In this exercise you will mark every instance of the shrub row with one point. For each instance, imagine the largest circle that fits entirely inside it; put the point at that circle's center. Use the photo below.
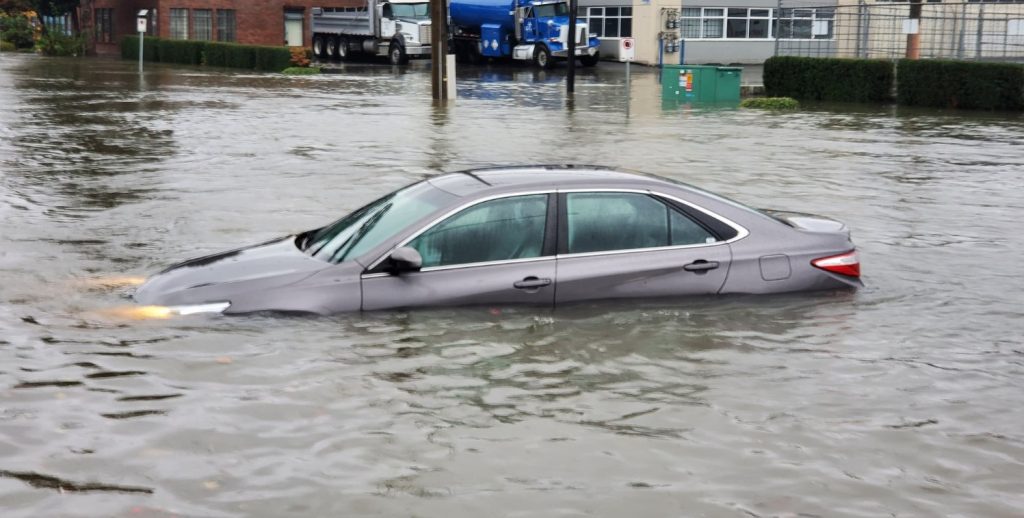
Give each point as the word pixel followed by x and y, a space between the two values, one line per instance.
pixel 960 84
pixel 828 79
pixel 215 54
pixel 923 82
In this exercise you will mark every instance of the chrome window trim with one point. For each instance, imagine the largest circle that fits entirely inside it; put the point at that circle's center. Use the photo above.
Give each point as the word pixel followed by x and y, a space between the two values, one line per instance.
pixel 470 265
pixel 452 212
pixel 741 232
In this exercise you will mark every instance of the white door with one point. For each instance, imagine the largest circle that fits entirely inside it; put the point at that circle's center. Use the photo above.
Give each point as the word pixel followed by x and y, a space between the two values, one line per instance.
pixel 293 29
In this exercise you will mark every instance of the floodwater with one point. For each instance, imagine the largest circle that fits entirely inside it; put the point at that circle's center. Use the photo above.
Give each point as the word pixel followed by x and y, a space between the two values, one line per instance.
pixel 905 398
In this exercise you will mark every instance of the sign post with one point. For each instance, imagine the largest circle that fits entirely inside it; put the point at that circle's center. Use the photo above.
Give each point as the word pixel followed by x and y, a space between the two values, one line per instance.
pixel 140 25
pixel 627 53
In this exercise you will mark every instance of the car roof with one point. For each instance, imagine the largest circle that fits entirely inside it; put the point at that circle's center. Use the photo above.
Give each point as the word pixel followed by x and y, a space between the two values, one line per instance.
pixel 496 180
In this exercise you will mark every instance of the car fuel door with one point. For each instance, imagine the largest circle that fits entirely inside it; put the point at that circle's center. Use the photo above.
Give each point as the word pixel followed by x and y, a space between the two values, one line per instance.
pixel 493 252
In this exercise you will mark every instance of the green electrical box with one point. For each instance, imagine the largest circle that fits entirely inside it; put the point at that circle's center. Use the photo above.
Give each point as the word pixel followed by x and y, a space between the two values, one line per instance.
pixel 700 83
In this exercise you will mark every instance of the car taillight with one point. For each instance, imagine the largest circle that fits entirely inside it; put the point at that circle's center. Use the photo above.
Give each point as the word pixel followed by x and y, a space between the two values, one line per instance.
pixel 843 264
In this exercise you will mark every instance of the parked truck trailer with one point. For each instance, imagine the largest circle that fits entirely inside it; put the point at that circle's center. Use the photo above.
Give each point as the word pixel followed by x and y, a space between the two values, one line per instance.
pixel 398 29
pixel 528 30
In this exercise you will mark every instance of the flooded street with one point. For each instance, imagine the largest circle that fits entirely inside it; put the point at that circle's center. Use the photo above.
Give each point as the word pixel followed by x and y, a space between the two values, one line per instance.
pixel 905 398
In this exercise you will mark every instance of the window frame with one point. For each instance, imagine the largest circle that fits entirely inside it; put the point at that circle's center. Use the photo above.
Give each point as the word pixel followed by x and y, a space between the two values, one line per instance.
pixel 547 249
pixel 556 228
pixel 723 22
pixel 789 14
pixel 222 28
pixel 671 203
pixel 209 28
pixel 600 13
pixel 176 28
pixel 104 24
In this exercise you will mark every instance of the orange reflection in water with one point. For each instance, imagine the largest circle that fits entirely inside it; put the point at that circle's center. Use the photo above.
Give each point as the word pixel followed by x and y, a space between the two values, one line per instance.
pixel 110 282
pixel 139 312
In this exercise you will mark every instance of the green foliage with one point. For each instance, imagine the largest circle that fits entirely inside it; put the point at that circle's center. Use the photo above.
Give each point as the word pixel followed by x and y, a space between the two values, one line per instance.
pixel 961 84
pixel 829 79
pixel 17 30
pixel 6 46
pixel 53 43
pixel 770 103
pixel 301 71
pixel 210 53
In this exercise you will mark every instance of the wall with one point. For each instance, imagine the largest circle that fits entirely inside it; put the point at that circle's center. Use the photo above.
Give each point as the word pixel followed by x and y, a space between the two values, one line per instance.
pixel 258 22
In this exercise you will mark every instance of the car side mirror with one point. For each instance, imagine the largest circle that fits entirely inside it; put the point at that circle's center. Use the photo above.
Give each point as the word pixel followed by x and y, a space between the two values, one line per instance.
pixel 405 259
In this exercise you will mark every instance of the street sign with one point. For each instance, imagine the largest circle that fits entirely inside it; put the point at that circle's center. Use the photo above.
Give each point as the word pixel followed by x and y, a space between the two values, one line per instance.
pixel 140 20
pixel 627 49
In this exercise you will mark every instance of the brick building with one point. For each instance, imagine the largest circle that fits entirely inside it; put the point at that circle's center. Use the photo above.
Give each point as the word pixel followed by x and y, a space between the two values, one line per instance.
pixel 253 22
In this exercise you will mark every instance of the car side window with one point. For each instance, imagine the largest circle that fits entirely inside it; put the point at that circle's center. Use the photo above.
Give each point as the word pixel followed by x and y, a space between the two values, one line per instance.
pixel 496 230
pixel 605 221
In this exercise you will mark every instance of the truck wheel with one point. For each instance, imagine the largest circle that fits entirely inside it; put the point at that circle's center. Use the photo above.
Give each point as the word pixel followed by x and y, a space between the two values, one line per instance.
pixel 332 47
pixel 589 61
pixel 397 55
pixel 318 46
pixel 541 56
pixel 343 48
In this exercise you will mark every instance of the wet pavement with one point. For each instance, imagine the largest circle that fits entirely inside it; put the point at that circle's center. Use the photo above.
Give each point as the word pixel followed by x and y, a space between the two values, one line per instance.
pixel 905 398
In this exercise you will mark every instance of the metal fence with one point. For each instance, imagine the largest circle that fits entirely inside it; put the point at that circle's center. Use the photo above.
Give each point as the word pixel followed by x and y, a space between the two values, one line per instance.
pixel 968 31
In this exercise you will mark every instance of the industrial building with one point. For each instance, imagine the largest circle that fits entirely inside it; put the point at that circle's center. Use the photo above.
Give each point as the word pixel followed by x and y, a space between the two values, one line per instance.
pixel 253 22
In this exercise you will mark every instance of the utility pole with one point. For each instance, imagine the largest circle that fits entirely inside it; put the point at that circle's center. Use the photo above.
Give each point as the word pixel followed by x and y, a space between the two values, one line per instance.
pixel 439 49
pixel 570 84
pixel 913 30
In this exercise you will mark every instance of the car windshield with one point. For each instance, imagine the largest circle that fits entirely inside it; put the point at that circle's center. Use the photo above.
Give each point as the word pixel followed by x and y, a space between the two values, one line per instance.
pixel 373 224
pixel 549 10
pixel 414 11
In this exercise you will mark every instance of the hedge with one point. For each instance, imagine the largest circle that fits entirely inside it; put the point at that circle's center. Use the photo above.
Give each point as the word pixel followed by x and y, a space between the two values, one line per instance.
pixel 216 54
pixel 961 84
pixel 828 79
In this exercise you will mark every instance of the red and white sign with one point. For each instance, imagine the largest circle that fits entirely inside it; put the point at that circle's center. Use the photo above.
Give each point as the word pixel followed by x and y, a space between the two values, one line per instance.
pixel 627 49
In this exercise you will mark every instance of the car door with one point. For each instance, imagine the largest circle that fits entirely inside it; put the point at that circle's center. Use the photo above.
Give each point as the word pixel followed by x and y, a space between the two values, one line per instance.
pixel 498 251
pixel 634 244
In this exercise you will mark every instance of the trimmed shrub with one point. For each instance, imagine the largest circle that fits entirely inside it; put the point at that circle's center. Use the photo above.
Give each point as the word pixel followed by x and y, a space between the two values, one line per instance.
pixel 301 71
pixel 829 79
pixel 961 84
pixel 130 48
pixel 252 57
pixel 770 103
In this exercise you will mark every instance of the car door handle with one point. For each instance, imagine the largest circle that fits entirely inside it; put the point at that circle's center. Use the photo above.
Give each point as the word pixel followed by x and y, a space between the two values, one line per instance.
pixel 530 283
pixel 701 265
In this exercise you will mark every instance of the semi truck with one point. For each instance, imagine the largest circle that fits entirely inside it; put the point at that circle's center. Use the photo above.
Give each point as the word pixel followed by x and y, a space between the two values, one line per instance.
pixel 527 30
pixel 398 29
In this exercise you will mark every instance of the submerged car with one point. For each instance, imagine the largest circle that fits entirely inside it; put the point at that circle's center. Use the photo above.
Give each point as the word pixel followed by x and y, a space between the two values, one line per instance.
pixel 542 235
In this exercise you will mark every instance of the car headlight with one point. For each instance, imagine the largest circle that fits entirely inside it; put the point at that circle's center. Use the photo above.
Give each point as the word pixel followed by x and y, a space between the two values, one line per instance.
pixel 192 309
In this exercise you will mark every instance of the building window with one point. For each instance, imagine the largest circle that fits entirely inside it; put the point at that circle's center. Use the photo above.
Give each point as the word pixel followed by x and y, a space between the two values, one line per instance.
pixel 104 25
pixel 608 22
pixel 806 24
pixel 179 24
pixel 226 25
pixel 726 23
pixel 202 25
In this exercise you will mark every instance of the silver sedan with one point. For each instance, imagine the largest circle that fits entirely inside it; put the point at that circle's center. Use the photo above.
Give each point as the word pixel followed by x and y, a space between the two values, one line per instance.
pixel 541 235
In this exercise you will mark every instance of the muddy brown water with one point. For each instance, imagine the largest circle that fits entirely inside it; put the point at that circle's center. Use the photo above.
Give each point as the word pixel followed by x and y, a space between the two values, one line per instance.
pixel 905 398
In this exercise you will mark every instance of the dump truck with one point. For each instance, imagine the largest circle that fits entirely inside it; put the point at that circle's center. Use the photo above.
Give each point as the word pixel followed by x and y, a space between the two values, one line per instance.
pixel 398 29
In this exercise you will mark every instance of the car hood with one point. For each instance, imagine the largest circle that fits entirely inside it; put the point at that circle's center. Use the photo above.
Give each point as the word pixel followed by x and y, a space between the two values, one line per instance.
pixel 217 277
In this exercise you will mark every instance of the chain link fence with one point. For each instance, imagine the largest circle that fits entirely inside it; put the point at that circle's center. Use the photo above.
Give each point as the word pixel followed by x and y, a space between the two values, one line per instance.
pixel 965 31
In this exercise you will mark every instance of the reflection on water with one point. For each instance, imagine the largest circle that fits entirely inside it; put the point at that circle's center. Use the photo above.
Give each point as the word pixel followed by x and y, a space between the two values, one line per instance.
pixel 902 398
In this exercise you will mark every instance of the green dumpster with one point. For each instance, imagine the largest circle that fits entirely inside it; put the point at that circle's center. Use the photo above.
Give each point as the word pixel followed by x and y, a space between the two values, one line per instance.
pixel 700 83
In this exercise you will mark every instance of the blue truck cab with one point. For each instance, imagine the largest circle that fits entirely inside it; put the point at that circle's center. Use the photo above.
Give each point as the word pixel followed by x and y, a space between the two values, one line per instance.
pixel 526 30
